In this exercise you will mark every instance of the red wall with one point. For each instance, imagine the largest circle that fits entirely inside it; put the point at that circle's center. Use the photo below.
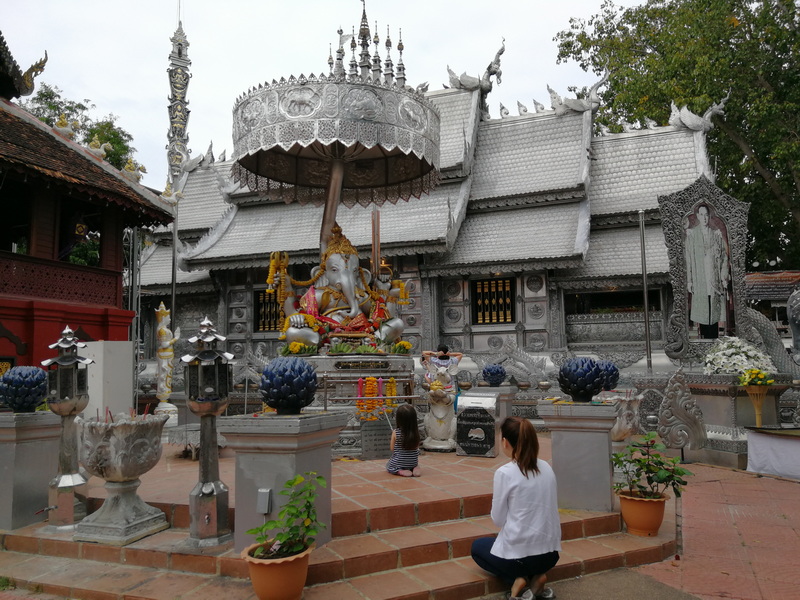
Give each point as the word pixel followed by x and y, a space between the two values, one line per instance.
pixel 39 323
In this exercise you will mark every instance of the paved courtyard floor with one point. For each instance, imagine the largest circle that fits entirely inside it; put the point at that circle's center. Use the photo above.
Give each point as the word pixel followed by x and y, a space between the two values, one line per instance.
pixel 739 532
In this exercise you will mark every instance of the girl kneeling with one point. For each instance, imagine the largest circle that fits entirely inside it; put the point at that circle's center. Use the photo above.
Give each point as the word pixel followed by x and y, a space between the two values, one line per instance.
pixel 525 508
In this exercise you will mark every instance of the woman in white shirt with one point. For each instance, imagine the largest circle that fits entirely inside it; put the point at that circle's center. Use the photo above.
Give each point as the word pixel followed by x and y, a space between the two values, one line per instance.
pixel 525 508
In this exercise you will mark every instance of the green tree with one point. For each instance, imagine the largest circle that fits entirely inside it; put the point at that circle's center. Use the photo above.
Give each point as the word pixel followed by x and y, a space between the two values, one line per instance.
pixel 48 104
pixel 694 52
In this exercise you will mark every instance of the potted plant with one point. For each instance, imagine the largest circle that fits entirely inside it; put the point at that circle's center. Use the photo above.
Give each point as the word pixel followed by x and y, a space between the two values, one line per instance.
pixel 278 560
pixel 647 474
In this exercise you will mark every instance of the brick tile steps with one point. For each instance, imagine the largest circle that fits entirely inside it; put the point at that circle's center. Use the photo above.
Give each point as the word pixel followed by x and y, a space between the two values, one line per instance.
pixel 428 561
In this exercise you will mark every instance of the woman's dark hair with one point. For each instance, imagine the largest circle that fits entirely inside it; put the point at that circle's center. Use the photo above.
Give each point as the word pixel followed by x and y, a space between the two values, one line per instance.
pixel 524 443
pixel 406 417
pixel 443 348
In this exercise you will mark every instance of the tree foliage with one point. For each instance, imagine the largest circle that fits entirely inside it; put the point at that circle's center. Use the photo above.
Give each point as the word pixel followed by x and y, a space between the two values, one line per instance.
pixel 694 52
pixel 47 104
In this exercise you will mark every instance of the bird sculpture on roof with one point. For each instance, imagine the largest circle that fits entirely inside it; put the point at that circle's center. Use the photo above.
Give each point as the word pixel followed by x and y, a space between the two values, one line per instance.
pixel 503 111
pixel 650 123
pixel 538 106
pixel 521 108
pixel 98 149
pixel 133 171
pixel 65 128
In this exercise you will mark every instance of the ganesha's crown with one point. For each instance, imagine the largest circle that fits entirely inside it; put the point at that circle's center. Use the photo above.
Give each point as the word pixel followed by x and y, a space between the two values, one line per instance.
pixel 339 244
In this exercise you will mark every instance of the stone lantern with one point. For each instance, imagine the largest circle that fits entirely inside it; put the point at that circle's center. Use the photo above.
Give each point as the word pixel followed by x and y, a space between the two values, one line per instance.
pixel 67 396
pixel 208 381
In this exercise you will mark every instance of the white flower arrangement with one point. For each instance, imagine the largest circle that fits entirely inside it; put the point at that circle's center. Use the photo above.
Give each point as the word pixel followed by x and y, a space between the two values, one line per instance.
pixel 735 356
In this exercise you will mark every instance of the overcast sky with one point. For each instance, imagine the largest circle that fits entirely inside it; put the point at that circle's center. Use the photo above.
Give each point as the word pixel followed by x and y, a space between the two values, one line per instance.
pixel 115 53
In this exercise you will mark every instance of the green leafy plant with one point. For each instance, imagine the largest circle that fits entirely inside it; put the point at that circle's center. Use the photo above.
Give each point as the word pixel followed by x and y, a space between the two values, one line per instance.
pixel 296 527
pixel 366 349
pixel 297 348
pixel 341 348
pixel 647 472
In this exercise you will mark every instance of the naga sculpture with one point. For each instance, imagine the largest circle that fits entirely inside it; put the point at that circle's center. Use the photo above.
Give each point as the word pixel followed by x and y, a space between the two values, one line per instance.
pixel 339 299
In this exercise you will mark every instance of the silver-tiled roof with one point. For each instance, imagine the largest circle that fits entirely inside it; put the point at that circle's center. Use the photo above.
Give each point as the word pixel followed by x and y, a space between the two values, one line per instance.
pixel 631 170
pixel 529 154
pixel 523 234
pixel 204 201
pixel 256 230
pixel 459 120
pixel 156 268
pixel 617 252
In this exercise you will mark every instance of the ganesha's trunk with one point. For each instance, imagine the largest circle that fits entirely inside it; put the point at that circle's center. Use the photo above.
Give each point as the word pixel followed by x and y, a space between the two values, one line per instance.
pixel 349 286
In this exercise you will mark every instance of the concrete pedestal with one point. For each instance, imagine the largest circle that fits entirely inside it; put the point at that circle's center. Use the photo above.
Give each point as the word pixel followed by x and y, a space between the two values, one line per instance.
pixel 272 449
pixel 28 461
pixel 110 378
pixel 581 447
pixel 481 411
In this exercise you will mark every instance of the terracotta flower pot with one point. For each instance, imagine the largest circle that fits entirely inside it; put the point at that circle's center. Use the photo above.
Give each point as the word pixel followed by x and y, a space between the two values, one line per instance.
pixel 642 516
pixel 278 578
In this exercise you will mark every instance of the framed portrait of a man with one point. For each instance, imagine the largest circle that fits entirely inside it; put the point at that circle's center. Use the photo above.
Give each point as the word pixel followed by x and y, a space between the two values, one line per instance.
pixel 708 273
pixel 706 234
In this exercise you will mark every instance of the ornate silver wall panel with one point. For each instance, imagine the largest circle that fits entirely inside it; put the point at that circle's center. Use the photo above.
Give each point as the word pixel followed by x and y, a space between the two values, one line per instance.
pixel 535 285
pixel 612 327
pixel 676 210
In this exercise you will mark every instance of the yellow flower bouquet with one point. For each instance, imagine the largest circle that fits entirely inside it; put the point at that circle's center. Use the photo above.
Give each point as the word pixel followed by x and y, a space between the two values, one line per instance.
pixel 755 377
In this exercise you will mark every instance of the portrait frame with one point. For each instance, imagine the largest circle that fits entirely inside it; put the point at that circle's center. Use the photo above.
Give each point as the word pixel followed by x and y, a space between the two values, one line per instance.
pixel 676 215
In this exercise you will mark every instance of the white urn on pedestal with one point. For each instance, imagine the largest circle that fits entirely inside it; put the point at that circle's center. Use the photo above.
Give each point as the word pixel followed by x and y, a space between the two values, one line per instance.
pixel 120 451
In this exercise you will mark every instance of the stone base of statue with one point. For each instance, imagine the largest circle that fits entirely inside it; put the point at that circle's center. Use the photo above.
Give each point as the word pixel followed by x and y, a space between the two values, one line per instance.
pixel 337 391
pixel 123 518
pixel 581 449
pixel 169 409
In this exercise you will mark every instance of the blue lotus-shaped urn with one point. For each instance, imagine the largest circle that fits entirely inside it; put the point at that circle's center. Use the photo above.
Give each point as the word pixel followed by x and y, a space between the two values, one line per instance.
pixel 22 389
pixel 612 374
pixel 581 379
pixel 494 375
pixel 288 384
